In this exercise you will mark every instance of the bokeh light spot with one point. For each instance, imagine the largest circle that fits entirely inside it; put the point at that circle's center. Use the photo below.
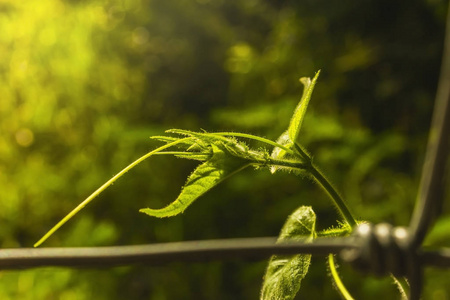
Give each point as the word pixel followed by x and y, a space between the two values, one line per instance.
pixel 24 137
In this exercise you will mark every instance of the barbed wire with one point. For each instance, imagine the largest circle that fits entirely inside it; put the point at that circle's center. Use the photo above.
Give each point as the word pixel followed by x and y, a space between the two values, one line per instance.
pixel 161 253
pixel 431 189
pixel 221 249
pixel 379 249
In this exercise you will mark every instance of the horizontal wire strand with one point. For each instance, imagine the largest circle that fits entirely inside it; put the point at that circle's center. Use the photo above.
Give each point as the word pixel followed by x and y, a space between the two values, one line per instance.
pixel 190 251
pixel 195 251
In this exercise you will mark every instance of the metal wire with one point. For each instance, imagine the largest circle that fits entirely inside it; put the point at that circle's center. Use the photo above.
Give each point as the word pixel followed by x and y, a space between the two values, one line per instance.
pixel 431 189
pixel 248 248
pixel 244 248
pixel 438 258
pixel 378 249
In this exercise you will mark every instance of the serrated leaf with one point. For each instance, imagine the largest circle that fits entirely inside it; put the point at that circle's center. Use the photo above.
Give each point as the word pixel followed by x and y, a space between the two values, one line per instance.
pixel 284 273
pixel 300 111
pixel 219 167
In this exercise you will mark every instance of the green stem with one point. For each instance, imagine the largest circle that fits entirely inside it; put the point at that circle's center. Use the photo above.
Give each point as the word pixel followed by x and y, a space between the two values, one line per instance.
pixel 280 163
pixel 303 152
pixel 337 280
pixel 185 153
pixel 402 285
pixel 333 194
pixel 102 188
pixel 328 187
pixel 320 178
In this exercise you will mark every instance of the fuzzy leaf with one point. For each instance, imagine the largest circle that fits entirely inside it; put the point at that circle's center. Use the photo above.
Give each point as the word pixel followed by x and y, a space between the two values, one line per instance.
pixel 229 145
pixel 285 273
pixel 300 110
pixel 290 136
pixel 219 167
pixel 279 153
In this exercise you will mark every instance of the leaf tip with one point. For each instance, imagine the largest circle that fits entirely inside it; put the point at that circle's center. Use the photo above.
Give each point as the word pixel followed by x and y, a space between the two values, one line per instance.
pixel 306 81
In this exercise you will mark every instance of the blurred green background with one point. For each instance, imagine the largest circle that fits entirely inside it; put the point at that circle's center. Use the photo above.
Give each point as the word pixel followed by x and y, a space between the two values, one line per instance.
pixel 83 84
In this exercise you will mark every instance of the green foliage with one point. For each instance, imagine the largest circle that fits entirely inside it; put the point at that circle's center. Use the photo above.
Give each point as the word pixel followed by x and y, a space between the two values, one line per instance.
pixel 290 137
pixel 84 83
pixel 224 156
pixel 300 111
pixel 439 235
pixel 216 169
pixel 284 273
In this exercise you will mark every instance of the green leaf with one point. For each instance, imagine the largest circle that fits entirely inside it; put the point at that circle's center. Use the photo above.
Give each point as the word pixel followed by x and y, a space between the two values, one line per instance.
pixel 284 274
pixel 219 167
pixel 300 111
pixel 229 145
pixel 290 136
pixel 439 235
pixel 279 153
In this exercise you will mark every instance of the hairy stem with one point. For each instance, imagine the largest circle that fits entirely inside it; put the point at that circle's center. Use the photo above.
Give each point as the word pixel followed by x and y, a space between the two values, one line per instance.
pixel 402 286
pixel 328 187
pixel 333 194
pixel 281 163
pixel 337 280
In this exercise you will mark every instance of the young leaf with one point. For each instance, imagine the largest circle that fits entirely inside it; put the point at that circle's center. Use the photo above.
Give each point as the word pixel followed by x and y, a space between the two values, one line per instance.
pixel 285 273
pixel 290 136
pixel 300 110
pixel 219 167
pixel 279 153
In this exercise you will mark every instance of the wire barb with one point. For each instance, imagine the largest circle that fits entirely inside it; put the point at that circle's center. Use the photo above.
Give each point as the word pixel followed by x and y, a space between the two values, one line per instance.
pixel 383 249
